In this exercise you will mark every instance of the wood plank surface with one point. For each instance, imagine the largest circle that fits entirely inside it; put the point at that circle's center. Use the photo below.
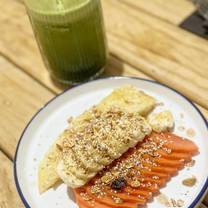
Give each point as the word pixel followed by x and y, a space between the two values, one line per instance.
pixel 17 42
pixel 20 98
pixel 29 52
pixel 24 51
pixel 14 89
pixel 161 50
pixel 133 37
pixel 29 55
pixel 8 195
pixel 174 11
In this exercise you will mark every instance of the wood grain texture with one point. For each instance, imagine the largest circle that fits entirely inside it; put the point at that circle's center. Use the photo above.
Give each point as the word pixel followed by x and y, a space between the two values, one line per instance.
pixel 20 98
pixel 161 50
pixel 17 42
pixel 18 103
pixel 117 68
pixel 8 195
pixel 24 51
pixel 174 11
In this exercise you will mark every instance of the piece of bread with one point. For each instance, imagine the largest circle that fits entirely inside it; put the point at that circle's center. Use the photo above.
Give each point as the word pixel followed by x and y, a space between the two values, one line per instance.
pixel 127 98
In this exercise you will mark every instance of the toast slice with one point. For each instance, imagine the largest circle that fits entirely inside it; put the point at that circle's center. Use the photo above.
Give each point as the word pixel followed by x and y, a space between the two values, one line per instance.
pixel 126 98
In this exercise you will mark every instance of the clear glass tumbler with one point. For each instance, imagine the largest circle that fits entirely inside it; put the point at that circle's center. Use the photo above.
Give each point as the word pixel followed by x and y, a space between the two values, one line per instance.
pixel 71 37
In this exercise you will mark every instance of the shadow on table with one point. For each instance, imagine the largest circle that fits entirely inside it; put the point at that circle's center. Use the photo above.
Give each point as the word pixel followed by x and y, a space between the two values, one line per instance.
pixel 113 68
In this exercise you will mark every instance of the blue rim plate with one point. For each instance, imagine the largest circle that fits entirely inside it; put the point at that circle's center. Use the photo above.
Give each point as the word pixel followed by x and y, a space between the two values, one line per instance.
pixel 81 91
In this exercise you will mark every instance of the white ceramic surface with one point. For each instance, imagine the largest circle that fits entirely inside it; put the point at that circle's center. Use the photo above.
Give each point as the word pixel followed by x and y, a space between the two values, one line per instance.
pixel 51 120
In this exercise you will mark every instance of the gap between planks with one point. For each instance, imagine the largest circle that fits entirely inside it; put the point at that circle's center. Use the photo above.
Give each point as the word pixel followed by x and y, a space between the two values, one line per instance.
pixel 116 66
pixel 26 72
pixel 23 109
pixel 161 50
pixel 173 12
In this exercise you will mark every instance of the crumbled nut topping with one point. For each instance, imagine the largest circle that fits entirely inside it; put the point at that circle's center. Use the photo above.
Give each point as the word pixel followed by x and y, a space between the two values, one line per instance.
pixel 190 132
pixel 135 183
pixel 180 203
pixel 176 203
pixel 164 200
pixel 190 182
pixel 94 139
pixel 70 119
pixel 59 147
pixel 106 179
pixel 85 196
pixel 117 200
pixel 128 171
pixel 191 163
pixel 170 202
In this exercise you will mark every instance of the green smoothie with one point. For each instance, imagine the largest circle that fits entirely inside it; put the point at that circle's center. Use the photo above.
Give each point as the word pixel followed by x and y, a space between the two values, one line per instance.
pixel 71 38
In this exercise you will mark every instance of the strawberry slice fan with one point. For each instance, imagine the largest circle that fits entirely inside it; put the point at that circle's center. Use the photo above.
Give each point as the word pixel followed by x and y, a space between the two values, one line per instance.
pixel 136 177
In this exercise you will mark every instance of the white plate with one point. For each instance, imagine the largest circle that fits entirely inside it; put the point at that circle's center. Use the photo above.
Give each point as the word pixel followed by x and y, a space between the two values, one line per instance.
pixel 51 120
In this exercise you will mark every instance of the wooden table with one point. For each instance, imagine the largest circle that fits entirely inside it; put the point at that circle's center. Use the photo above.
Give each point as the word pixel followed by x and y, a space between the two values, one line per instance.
pixel 144 41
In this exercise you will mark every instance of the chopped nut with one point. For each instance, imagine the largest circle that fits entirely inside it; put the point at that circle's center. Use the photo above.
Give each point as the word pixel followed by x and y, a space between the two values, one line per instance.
pixel 156 177
pixel 115 173
pixel 95 190
pixel 59 147
pixel 170 202
pixel 164 200
pixel 117 200
pixel 180 203
pixel 190 182
pixel 173 202
pixel 85 196
pixel 135 183
pixel 69 120
pixel 191 163
pixel 130 165
pixel 106 179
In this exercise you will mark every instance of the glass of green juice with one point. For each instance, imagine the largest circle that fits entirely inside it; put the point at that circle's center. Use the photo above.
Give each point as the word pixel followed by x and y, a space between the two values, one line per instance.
pixel 71 37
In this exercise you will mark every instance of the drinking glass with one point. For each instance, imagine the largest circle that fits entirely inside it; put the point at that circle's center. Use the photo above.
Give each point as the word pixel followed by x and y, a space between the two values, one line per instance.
pixel 71 37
